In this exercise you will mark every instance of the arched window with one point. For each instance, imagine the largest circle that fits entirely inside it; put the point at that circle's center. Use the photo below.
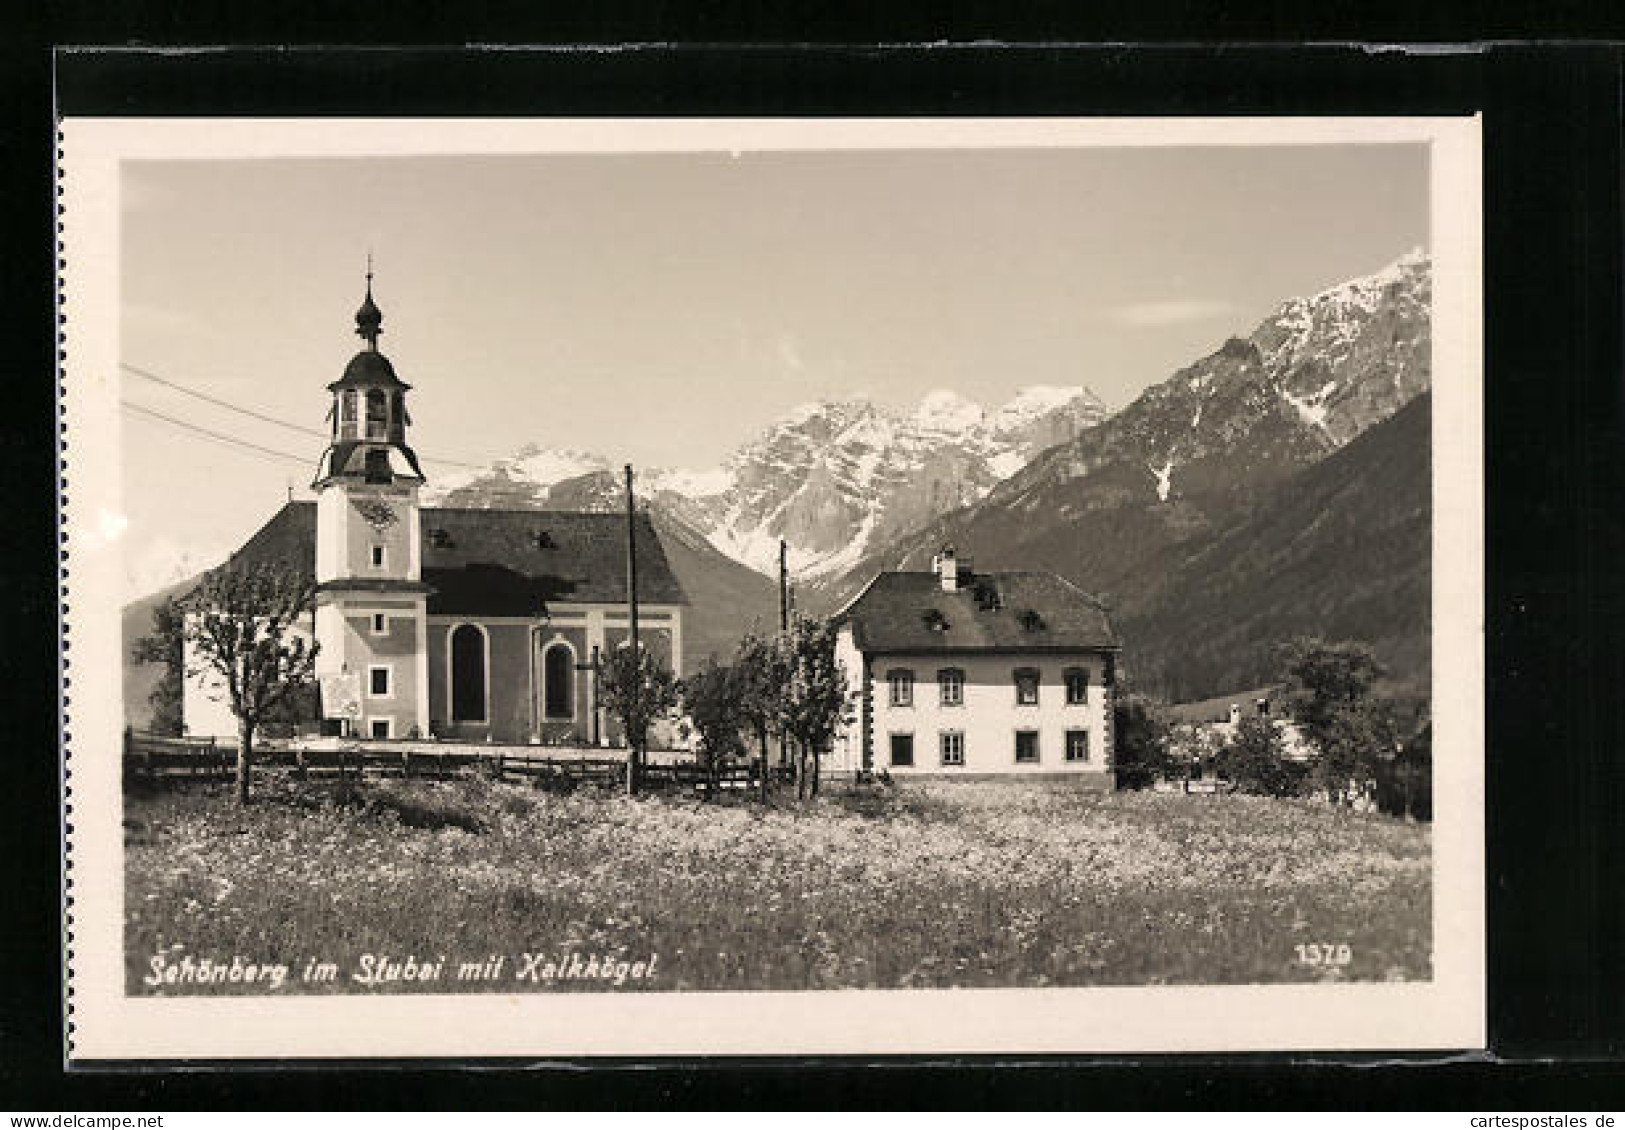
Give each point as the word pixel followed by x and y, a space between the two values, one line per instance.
pixel 397 416
pixel 558 682
pixel 347 414
pixel 467 673
pixel 377 414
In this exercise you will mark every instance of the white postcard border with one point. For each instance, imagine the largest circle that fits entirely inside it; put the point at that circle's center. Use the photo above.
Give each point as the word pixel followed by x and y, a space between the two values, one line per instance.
pixel 1447 1013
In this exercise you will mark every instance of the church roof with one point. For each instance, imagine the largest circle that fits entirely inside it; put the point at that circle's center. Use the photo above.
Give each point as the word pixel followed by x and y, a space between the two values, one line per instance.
pixel 369 368
pixel 500 562
pixel 1003 612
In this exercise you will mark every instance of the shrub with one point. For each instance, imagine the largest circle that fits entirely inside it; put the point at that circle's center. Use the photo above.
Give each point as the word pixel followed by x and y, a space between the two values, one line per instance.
pixel 1140 742
pixel 1255 759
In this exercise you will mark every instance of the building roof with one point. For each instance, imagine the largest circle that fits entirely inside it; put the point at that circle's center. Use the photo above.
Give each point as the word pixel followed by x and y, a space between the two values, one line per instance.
pixel 1018 611
pixel 369 368
pixel 500 562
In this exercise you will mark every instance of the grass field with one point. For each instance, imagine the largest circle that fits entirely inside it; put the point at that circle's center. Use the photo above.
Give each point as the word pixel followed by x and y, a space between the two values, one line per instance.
pixel 927 884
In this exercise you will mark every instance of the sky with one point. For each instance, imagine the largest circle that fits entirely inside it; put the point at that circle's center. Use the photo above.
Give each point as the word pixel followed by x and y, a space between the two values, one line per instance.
pixel 663 309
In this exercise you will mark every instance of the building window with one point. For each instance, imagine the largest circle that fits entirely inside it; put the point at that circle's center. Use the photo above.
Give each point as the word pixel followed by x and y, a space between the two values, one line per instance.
pixel 1077 686
pixel 558 683
pixel 901 682
pixel 902 750
pixel 347 414
pixel 378 727
pixel 1026 686
pixel 377 414
pixel 377 557
pixel 952 745
pixel 951 685
pixel 1026 747
pixel 467 673
pixel 1077 745
pixel 378 679
pixel 380 624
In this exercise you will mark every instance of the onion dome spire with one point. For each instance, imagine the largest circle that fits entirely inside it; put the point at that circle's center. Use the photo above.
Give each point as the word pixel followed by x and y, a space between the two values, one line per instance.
pixel 369 319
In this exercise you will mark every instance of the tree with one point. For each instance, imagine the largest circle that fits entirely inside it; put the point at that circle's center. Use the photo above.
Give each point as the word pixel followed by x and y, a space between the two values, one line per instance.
pixel 1405 783
pixel 1255 759
pixel 761 678
pixel 636 691
pixel 1330 696
pixel 710 698
pixel 243 631
pixel 166 644
pixel 1139 741
pixel 814 705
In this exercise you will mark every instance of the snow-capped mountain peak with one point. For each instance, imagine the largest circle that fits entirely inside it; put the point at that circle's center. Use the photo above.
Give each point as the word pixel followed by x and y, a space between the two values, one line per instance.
pixel 944 410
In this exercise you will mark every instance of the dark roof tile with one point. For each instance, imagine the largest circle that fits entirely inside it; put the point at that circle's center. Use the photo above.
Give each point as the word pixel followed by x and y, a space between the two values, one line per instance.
pixel 493 562
pixel 910 612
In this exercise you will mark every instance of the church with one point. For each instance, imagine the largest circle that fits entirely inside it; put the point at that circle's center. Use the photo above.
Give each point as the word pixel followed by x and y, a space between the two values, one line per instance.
pixel 449 623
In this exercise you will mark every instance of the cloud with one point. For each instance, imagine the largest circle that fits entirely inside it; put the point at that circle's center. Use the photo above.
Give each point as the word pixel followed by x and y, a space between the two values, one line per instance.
pixel 1170 311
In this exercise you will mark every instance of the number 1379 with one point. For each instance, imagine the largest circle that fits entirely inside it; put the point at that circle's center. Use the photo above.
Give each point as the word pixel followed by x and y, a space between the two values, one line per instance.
pixel 1323 953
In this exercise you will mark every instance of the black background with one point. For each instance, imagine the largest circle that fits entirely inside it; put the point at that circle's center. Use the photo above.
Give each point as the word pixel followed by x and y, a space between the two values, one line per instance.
pixel 1555 411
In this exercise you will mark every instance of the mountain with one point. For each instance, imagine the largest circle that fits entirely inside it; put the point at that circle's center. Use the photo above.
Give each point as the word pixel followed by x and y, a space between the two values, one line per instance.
pixel 1122 508
pixel 833 478
pixel 1342 549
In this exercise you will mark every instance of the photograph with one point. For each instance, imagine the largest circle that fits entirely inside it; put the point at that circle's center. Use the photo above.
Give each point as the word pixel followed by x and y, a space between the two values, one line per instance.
pixel 918 585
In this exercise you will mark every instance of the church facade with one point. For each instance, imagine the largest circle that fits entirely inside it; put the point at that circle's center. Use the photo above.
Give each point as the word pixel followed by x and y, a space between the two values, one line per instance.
pixel 450 623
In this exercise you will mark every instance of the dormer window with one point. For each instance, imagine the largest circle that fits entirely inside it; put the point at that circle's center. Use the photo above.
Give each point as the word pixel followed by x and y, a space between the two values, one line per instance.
pixel 987 596
pixel 544 540
pixel 935 620
pixel 1031 621
pixel 441 539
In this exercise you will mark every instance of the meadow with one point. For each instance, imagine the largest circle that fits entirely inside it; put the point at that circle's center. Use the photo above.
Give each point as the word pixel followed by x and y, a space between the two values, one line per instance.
pixel 925 884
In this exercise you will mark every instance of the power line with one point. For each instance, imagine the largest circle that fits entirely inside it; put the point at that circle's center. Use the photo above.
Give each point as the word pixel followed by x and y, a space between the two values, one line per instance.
pixel 215 400
pixel 261 416
pixel 218 437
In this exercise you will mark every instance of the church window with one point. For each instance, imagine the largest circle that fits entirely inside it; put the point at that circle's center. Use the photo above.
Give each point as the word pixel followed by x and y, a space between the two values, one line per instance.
pixel 378 680
pixel 558 682
pixel 397 416
pixel 380 624
pixel 377 414
pixel 467 674
pixel 347 414
pixel 377 557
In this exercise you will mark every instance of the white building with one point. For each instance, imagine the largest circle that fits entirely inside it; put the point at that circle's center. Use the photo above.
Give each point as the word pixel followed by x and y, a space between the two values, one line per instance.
pixel 957 672
pixel 451 622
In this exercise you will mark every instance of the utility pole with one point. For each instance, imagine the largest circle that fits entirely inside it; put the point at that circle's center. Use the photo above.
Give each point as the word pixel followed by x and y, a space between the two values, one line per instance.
pixel 784 587
pixel 633 740
pixel 784 633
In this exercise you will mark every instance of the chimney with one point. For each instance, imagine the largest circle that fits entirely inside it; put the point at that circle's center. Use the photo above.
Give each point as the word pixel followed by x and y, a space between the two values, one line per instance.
pixel 946 565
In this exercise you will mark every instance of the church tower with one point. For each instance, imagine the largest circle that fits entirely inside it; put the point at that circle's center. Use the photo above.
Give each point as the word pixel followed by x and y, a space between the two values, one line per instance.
pixel 371 602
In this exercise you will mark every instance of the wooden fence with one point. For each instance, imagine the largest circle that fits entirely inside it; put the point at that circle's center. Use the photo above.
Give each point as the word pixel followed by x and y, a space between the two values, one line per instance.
pixel 152 758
